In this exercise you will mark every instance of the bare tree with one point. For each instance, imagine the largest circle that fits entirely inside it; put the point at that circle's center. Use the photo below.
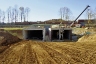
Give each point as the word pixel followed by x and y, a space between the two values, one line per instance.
pixel 12 15
pixel 3 16
pixel 21 12
pixel 90 15
pixel 24 15
pixel 72 18
pixel 0 15
pixel 65 13
pixel 9 14
pixel 24 12
pixel 61 12
pixel 94 14
pixel 16 13
pixel 27 10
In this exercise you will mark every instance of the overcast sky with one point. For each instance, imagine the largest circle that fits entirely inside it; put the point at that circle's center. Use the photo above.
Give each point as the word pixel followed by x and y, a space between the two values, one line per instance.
pixel 49 9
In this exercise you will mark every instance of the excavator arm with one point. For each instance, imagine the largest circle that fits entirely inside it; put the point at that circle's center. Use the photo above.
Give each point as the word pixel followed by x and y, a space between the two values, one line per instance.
pixel 79 16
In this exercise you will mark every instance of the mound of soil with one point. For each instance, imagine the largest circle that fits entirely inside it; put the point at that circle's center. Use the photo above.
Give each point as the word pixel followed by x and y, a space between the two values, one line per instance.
pixel 17 32
pixel 3 48
pixel 7 38
pixel 87 38
pixel 33 52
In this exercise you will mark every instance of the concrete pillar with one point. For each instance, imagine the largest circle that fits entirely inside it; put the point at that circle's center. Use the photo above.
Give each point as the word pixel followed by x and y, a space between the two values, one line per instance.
pixel 24 34
pixel 44 34
pixel 59 34
pixel 50 34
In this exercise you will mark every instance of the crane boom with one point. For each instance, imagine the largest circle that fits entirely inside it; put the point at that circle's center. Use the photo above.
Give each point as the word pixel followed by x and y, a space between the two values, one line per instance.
pixel 79 15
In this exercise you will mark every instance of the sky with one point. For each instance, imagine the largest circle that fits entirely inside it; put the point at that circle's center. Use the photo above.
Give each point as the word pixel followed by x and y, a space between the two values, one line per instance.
pixel 41 10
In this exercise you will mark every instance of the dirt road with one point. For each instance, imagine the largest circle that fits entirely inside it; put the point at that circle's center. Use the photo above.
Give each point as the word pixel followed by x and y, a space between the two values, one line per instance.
pixel 32 52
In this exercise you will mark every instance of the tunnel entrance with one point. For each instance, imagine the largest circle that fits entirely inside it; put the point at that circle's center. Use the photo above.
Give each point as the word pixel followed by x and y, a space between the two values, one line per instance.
pixel 35 34
pixel 66 34
pixel 54 34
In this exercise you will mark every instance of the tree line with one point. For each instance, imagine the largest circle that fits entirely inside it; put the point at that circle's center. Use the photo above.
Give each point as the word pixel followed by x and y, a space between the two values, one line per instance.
pixel 15 14
pixel 21 14
pixel 66 13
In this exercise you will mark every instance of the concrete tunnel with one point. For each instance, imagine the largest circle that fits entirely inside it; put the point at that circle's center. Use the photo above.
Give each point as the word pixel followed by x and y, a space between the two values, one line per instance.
pixel 66 35
pixel 33 34
pixel 39 34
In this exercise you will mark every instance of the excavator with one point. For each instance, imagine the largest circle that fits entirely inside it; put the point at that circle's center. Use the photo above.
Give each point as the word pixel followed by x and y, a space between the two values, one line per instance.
pixel 62 29
pixel 79 16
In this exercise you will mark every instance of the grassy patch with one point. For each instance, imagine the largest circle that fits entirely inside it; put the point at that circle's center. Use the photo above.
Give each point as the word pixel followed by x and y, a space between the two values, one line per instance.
pixel 13 28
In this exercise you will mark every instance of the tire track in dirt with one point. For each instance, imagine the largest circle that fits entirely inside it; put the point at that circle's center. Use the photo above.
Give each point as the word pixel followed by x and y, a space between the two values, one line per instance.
pixel 26 56
pixel 19 54
pixel 11 55
pixel 22 57
pixel 76 53
pixel 56 55
pixel 57 48
pixel 80 53
pixel 6 54
pixel 42 56
pixel 30 55
pixel 32 52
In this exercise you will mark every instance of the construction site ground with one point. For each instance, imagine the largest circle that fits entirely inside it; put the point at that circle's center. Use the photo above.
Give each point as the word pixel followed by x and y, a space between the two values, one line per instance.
pixel 37 52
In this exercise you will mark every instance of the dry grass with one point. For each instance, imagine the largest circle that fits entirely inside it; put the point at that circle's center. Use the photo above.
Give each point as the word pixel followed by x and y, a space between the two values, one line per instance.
pixel 12 29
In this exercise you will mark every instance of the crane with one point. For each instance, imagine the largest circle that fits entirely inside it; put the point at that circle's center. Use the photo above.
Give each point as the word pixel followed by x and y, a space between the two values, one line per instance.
pixel 79 16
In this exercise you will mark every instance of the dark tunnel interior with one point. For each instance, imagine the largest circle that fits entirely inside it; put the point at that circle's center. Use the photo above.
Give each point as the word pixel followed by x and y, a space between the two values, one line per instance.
pixel 66 34
pixel 35 34
pixel 55 34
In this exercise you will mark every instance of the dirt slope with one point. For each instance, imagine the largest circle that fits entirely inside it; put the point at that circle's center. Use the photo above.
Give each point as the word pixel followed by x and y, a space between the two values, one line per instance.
pixel 32 52
pixel 17 33
pixel 88 38
pixel 7 38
